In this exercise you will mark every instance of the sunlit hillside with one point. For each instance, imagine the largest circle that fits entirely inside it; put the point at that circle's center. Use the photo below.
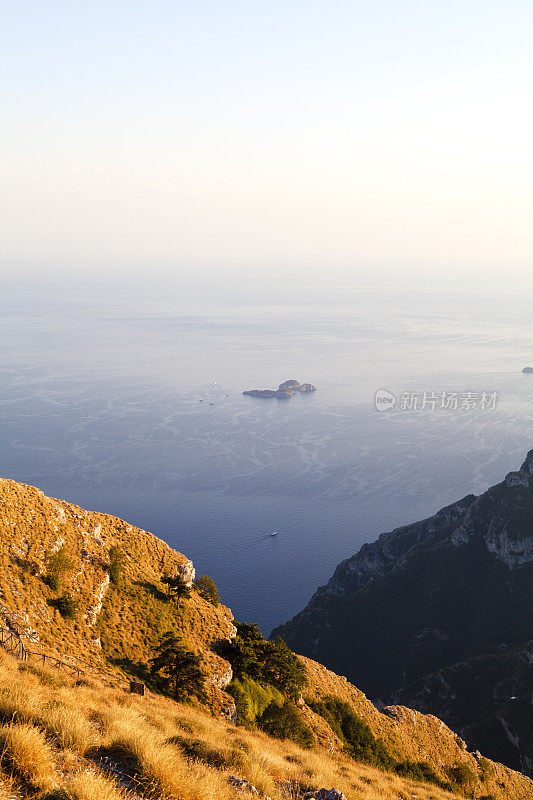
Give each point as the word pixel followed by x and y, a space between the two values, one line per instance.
pixel 94 592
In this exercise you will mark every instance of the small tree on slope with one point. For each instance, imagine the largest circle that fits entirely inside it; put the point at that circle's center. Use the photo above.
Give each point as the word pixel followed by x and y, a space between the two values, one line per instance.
pixel 208 589
pixel 177 669
pixel 177 588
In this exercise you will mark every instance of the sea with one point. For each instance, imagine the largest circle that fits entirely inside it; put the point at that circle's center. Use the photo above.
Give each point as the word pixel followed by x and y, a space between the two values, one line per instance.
pixel 130 401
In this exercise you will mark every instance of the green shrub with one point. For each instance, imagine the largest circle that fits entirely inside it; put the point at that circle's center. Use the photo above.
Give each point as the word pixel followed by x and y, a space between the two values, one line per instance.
pixel 252 656
pixel 58 567
pixel 282 669
pixel 462 775
pixel 286 722
pixel 420 771
pixel 66 605
pixel 484 767
pixel 176 669
pixel 177 588
pixel 362 745
pixel 117 565
pixel 353 731
pixel 208 589
pixel 197 750
pixel 252 698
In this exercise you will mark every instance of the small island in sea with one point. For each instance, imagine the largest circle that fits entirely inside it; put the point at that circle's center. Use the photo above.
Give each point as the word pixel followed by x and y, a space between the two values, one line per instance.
pixel 284 390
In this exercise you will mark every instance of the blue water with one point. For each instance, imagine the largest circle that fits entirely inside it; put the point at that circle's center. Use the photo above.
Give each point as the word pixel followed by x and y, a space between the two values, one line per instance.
pixel 100 406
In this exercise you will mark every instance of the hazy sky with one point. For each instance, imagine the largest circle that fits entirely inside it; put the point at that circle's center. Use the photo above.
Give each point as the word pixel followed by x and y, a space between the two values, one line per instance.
pixel 369 138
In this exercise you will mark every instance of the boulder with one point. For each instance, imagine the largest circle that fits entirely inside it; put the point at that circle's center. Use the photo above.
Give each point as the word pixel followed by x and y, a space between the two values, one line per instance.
pixel 330 794
pixel 187 572
pixel 241 785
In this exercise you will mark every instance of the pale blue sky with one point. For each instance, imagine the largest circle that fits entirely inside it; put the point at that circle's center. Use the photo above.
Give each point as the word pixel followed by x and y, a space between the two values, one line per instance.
pixel 383 137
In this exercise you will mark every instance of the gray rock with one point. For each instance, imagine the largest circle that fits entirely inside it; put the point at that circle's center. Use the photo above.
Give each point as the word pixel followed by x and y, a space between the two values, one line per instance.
pixel 241 785
pixel 229 713
pixel 330 794
pixel 187 572
pixel 527 466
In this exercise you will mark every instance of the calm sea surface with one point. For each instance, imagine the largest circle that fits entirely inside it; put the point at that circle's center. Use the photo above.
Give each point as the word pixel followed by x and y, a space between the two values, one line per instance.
pixel 100 405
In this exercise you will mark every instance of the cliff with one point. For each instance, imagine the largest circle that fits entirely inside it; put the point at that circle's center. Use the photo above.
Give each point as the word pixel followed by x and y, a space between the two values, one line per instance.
pixel 377 558
pixel 434 606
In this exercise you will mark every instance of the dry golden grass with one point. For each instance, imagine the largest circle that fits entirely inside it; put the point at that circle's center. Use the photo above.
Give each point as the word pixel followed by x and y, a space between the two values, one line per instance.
pixel 17 702
pixel 89 786
pixel 95 742
pixel 28 755
pixel 132 619
pixel 6 788
pixel 69 725
pixel 86 742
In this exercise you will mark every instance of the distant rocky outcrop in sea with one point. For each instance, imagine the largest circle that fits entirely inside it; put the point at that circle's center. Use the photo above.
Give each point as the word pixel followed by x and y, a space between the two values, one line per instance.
pixel 284 390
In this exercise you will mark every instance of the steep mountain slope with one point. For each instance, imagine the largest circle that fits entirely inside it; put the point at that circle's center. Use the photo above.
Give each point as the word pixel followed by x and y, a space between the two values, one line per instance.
pixel 487 699
pixel 379 557
pixel 114 627
pixel 112 636
pixel 428 596
pixel 66 740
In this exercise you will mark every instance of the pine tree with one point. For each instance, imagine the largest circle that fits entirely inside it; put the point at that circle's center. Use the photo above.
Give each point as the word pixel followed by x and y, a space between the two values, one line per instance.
pixel 208 589
pixel 177 588
pixel 177 669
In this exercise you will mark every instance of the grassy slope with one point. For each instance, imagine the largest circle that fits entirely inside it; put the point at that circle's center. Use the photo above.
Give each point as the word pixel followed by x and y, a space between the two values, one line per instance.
pixel 131 619
pixel 98 743
pixel 122 640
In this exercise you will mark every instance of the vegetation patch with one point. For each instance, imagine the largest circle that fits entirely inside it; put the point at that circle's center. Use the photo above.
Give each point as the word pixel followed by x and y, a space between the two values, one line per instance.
pixel 362 745
pixel 352 731
pixel 272 663
pixel 86 786
pixel 462 775
pixel 286 722
pixel 59 565
pixel 420 771
pixel 25 752
pixel 176 670
pixel 208 589
pixel 117 565
pixel 46 677
pixel 66 605
pixel 198 750
pixel 252 698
